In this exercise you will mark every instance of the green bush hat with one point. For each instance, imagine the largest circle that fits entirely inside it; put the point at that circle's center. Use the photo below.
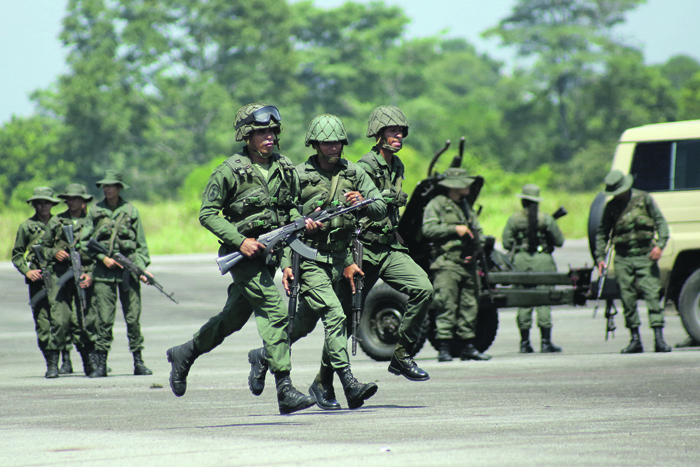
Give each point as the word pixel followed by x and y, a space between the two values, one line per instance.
pixel 456 178
pixel 616 182
pixel 43 193
pixel 531 192
pixel 113 177
pixel 76 190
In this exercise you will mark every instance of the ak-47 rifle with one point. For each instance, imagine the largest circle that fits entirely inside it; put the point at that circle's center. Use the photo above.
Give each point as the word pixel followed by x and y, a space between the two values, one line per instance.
pixel 478 248
pixel 293 293
pixel 610 312
pixel 76 266
pixel 603 274
pixel 358 250
pixel 289 234
pixel 42 264
pixel 127 264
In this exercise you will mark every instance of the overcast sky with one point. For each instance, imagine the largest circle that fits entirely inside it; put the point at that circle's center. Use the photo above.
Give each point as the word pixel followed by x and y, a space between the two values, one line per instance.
pixel 32 57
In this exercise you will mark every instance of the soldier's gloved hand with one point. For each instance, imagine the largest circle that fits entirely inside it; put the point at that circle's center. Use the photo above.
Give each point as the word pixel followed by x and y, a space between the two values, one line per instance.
pixel 287 278
pixel 655 253
pixel 349 274
pixel 34 275
pixel 251 247
pixel 62 255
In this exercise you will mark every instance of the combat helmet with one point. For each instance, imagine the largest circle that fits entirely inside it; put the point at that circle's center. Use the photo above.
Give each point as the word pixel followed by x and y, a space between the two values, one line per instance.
pixel 384 116
pixel 326 128
pixel 256 116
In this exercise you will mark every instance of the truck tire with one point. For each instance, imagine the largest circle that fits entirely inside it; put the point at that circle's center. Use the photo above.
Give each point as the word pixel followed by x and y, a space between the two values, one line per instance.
pixel 595 216
pixel 689 305
pixel 378 332
pixel 486 330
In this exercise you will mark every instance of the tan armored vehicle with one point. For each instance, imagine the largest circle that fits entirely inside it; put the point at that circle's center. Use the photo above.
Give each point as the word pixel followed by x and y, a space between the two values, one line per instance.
pixel 665 161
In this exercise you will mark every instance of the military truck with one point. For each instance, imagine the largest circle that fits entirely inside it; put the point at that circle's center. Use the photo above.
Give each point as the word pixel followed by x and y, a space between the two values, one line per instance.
pixel 384 306
pixel 665 161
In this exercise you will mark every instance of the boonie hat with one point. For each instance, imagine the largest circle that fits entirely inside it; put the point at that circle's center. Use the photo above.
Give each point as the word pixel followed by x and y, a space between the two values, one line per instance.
pixel 531 192
pixel 456 178
pixel 43 193
pixel 113 177
pixel 76 190
pixel 616 182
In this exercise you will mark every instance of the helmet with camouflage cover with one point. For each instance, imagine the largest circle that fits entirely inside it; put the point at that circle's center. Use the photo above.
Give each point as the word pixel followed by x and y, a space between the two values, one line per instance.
pixel 256 116
pixel 326 128
pixel 384 116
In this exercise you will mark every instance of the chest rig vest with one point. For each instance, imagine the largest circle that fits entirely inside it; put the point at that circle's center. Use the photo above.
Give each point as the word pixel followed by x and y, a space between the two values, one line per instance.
pixel 383 232
pixel 316 192
pixel 258 206
pixel 61 242
pixel 116 231
pixel 634 230
pixel 36 230
pixel 458 248
pixel 522 231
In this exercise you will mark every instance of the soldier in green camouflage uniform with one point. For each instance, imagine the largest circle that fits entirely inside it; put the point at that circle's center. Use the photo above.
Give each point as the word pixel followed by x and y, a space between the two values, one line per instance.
pixel 257 190
pixel 116 224
pixel 639 234
pixel 531 235
pixel 29 234
pixel 56 249
pixel 456 280
pixel 327 181
pixel 385 256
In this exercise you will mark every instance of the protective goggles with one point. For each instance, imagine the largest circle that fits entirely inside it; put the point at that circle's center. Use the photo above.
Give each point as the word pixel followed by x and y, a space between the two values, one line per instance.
pixel 261 116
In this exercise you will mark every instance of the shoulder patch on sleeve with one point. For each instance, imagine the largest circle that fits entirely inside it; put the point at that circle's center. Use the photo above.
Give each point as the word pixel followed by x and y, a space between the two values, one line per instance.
pixel 213 193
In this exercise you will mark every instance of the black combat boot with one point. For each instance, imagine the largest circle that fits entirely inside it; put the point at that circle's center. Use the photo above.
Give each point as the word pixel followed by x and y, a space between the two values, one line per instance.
pixel 469 352
pixel 100 365
pixel 181 358
pixel 689 342
pixel 140 368
pixel 322 390
pixel 659 344
pixel 289 399
pixel 51 357
pixel 402 364
pixel 547 345
pixel 355 392
pixel 525 346
pixel 258 370
pixel 635 345
pixel 444 353
pixel 67 366
pixel 88 357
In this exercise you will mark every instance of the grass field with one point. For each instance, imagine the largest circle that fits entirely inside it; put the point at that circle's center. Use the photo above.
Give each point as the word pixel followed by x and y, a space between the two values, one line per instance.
pixel 172 227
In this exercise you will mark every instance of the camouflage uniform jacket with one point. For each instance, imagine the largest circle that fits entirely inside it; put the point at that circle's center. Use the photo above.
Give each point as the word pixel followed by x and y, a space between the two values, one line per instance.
pixel 30 232
pixel 441 216
pixel 55 240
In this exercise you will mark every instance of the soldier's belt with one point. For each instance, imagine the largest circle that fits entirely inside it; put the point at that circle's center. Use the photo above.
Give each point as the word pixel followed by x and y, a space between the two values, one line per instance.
pixel 381 239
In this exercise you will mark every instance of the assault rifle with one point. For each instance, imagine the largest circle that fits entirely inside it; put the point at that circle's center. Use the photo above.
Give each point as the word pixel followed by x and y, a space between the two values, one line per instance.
pixel 127 264
pixel 42 264
pixel 76 266
pixel 603 274
pixel 289 235
pixel 357 253
pixel 478 248
pixel 293 293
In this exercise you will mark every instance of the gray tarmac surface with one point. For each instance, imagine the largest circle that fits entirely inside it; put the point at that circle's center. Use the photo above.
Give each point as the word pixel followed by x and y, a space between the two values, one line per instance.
pixel 587 406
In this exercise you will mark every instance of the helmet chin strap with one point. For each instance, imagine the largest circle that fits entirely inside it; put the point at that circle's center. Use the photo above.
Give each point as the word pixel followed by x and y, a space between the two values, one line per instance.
pixel 382 143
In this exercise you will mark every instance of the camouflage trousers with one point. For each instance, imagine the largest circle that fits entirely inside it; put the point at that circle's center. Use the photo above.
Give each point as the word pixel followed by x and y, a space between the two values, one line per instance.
pixel 104 301
pixel 252 292
pixel 639 273
pixel 456 301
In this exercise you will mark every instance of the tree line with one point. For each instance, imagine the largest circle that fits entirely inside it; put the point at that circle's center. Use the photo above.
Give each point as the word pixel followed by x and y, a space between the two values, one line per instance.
pixel 153 87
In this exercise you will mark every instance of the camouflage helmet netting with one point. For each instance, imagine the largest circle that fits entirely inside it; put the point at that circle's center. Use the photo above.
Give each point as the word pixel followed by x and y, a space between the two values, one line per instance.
pixel 326 128
pixel 384 116
pixel 245 130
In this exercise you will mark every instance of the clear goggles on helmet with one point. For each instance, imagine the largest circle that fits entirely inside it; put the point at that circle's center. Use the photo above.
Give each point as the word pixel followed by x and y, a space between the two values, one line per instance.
pixel 261 116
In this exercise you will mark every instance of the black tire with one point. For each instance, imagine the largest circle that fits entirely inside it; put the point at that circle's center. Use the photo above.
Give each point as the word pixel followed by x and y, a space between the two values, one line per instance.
pixel 595 217
pixel 689 305
pixel 486 330
pixel 378 332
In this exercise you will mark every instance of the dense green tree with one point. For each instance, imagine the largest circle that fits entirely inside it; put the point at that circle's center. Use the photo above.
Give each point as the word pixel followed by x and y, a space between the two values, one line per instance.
pixel 680 69
pixel 689 102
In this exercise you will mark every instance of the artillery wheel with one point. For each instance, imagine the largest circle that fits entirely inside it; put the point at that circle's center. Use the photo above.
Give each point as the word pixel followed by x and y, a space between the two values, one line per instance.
pixel 689 305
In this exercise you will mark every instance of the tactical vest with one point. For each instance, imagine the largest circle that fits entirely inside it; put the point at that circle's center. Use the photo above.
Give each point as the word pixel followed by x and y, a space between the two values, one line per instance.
pixel 633 233
pixel 36 235
pixel 522 228
pixel 118 234
pixel 457 248
pixel 383 232
pixel 61 242
pixel 335 235
pixel 256 207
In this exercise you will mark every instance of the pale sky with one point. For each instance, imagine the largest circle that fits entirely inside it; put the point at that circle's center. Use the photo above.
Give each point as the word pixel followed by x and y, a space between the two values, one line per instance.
pixel 31 55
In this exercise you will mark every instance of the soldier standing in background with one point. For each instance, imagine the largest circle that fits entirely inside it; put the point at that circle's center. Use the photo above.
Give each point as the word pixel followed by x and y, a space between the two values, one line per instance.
pixel 327 181
pixel 385 256
pixel 531 235
pixel 116 224
pixel 30 234
pixel 456 280
pixel 257 190
pixel 639 234
pixel 65 303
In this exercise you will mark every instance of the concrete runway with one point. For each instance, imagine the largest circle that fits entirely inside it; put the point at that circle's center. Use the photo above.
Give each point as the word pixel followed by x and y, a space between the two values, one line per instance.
pixel 587 406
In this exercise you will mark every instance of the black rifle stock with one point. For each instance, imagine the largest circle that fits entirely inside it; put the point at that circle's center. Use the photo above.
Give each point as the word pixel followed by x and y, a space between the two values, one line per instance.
pixel 603 274
pixel 478 249
pixel 293 293
pixel 559 213
pixel 127 264
pixel 289 235
pixel 357 252
pixel 76 266
pixel 610 312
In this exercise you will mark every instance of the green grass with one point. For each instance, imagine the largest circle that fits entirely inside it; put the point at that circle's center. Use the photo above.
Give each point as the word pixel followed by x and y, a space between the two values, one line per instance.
pixel 172 227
